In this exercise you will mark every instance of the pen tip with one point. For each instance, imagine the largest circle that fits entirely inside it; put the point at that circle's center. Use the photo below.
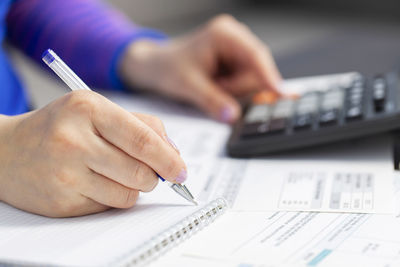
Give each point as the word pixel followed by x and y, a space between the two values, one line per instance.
pixel 194 202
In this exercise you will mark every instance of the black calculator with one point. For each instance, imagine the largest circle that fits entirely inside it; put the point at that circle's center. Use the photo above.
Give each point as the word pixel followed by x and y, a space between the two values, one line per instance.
pixel 359 107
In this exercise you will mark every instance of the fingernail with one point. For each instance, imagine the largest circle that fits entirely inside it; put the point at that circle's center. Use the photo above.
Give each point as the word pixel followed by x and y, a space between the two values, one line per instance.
pixel 226 114
pixel 181 177
pixel 172 143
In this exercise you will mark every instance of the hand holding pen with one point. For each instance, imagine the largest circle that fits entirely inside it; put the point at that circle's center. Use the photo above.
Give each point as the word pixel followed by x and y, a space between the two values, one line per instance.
pixel 75 83
pixel 83 154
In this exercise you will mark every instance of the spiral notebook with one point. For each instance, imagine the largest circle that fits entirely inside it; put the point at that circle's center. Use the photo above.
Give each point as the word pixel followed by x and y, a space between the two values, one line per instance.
pixel 131 237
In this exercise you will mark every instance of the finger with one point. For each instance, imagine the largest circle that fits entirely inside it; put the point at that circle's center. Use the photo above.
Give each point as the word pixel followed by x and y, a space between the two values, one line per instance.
pixel 241 84
pixel 152 121
pixel 107 192
pixel 209 97
pixel 236 41
pixel 118 166
pixel 157 125
pixel 138 140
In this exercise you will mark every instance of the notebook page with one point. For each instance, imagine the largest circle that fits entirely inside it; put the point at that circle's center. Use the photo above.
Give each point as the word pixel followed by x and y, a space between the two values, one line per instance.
pixel 99 239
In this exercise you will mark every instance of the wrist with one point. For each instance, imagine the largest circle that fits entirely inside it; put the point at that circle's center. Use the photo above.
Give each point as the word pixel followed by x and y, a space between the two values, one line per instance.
pixel 140 62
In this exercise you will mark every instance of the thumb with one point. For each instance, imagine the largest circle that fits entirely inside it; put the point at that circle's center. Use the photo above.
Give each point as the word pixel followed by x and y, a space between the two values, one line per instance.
pixel 212 99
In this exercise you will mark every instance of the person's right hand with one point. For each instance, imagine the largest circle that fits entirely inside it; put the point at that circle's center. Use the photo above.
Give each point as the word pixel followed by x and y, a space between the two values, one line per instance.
pixel 83 154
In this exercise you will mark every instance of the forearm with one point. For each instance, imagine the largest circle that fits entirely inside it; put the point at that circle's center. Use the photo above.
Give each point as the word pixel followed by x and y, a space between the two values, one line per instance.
pixel 87 34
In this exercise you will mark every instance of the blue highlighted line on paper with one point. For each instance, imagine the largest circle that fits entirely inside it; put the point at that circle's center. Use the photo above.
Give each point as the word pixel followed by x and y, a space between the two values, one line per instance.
pixel 319 257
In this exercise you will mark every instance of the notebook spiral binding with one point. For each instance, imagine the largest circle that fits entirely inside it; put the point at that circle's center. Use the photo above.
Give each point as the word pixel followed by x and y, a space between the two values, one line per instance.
pixel 170 238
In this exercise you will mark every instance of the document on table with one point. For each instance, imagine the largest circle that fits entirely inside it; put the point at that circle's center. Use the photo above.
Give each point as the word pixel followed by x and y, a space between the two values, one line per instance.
pixel 266 185
pixel 300 238
pixel 266 239
pixel 343 181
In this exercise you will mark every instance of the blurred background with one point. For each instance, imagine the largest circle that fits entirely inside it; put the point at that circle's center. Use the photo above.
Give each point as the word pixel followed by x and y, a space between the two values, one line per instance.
pixel 307 37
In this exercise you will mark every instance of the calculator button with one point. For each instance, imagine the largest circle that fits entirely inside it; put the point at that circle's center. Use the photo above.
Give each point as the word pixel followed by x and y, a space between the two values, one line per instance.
pixel 307 104
pixel 333 99
pixel 254 129
pixel 277 125
pixel 379 94
pixel 355 99
pixel 328 117
pixel 358 82
pixel 354 112
pixel 258 113
pixel 332 103
pixel 355 91
pixel 303 121
pixel 283 109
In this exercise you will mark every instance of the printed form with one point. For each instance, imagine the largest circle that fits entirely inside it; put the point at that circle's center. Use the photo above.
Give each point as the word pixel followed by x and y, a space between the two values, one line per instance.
pixel 262 185
pixel 272 239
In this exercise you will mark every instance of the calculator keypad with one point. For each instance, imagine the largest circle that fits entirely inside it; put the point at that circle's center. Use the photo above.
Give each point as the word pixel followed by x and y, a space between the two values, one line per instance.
pixel 316 109
pixel 330 108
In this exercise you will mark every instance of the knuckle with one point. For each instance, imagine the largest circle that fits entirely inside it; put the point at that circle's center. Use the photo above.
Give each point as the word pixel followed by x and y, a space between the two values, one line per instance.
pixel 143 178
pixel 158 124
pixel 81 101
pixel 64 179
pixel 223 20
pixel 157 121
pixel 62 141
pixel 129 198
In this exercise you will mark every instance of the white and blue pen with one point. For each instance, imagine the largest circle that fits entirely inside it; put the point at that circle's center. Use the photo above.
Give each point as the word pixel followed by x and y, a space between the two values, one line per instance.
pixel 75 83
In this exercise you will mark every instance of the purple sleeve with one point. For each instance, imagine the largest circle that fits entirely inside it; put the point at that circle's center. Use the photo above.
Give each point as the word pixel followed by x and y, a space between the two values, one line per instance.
pixel 87 34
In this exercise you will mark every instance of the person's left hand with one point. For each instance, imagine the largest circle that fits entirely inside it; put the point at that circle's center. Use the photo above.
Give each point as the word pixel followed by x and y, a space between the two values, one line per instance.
pixel 209 67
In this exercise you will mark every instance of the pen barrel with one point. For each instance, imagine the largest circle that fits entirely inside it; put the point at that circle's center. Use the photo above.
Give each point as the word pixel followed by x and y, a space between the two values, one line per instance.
pixel 63 71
